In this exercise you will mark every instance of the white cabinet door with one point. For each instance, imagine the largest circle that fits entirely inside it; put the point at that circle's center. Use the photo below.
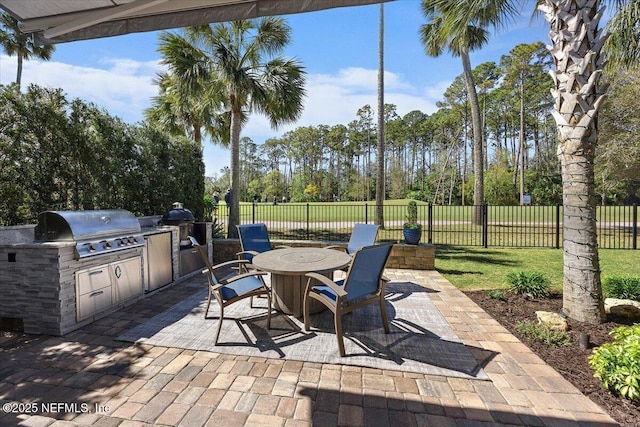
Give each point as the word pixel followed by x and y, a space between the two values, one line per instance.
pixel 126 279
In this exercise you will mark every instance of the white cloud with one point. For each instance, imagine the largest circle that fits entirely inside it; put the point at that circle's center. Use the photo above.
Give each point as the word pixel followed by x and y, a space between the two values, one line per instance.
pixel 435 92
pixel 124 88
pixel 335 99
pixel 354 79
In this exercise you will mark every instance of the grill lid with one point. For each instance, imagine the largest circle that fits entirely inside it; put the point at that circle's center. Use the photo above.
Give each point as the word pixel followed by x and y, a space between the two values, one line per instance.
pixel 178 215
pixel 55 226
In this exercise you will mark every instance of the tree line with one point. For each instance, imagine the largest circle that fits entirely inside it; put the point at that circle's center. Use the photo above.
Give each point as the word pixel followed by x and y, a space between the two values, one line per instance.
pixel 429 157
pixel 64 154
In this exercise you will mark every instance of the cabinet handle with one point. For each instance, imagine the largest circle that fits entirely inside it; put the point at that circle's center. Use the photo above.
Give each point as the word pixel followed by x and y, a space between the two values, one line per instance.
pixel 95 272
pixel 96 293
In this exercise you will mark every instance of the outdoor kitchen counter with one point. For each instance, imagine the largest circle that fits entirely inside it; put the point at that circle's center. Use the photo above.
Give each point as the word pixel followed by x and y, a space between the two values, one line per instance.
pixel 39 278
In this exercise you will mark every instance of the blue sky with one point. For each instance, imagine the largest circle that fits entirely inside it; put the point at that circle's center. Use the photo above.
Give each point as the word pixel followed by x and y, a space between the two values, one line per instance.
pixel 338 48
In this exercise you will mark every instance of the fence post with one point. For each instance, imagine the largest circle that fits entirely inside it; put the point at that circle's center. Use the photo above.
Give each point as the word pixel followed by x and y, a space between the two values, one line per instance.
pixel 557 226
pixel 253 213
pixel 635 226
pixel 308 232
pixel 366 213
pixel 485 225
pixel 430 224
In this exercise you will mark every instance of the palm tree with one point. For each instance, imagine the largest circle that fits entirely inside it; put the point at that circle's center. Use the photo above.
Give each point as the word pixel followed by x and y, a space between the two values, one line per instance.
pixel 576 49
pixel 238 60
pixel 621 47
pixel 21 44
pixel 243 60
pixel 578 55
pixel 461 27
pixel 188 102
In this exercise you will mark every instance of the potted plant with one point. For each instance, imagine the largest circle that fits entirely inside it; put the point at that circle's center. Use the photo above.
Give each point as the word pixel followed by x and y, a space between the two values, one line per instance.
pixel 412 230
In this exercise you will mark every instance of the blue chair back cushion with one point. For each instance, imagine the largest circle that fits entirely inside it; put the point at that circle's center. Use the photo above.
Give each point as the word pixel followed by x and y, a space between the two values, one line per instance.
pixel 365 271
pixel 361 236
pixel 254 237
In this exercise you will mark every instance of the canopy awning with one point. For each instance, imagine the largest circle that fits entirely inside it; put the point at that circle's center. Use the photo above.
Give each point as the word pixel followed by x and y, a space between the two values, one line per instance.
pixel 57 21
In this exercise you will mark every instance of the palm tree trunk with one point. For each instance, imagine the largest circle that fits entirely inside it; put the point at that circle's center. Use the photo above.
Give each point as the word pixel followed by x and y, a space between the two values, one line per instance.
pixel 582 292
pixel 234 210
pixel 380 183
pixel 478 151
pixel 19 72
pixel 578 97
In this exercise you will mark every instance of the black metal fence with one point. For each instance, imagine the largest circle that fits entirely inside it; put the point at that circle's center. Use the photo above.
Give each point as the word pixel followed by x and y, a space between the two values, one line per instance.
pixel 500 226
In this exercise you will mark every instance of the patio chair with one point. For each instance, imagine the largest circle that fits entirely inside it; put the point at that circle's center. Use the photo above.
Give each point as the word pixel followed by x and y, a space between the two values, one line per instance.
pixel 363 285
pixel 254 239
pixel 233 281
pixel 361 235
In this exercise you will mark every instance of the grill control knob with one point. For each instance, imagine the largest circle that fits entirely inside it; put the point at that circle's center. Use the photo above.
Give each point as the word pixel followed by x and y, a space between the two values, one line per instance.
pixel 107 245
pixel 91 247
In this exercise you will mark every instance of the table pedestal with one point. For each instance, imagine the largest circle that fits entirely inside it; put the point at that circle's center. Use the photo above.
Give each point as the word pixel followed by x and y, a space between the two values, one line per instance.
pixel 288 294
pixel 288 268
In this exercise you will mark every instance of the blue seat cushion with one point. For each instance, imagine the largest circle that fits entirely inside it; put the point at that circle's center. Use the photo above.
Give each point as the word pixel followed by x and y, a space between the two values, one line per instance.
pixel 327 292
pixel 240 287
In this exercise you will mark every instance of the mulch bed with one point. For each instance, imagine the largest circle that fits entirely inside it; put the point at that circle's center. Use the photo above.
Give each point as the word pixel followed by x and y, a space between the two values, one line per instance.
pixel 570 362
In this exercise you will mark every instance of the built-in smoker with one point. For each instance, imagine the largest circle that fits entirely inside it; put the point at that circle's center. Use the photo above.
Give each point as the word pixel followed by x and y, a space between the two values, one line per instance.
pixel 190 258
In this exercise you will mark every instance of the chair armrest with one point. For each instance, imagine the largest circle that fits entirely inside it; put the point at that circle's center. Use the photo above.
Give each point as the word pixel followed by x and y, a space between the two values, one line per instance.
pixel 245 275
pixel 211 285
pixel 249 266
pixel 228 263
pixel 326 281
pixel 239 254
pixel 215 287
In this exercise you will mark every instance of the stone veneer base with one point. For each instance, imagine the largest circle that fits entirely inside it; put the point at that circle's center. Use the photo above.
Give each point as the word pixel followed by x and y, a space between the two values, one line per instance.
pixel 414 257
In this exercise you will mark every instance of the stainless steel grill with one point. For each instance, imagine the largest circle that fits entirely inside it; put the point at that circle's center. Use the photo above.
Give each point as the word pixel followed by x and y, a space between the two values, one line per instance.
pixel 95 232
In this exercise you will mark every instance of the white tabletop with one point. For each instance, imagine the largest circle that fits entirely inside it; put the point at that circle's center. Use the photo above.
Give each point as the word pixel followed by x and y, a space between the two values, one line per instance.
pixel 299 261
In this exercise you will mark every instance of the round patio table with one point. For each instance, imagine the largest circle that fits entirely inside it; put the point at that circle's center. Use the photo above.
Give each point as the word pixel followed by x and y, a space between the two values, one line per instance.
pixel 288 268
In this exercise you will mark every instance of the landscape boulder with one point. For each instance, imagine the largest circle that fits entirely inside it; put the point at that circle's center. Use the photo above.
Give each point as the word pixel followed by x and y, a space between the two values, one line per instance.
pixel 622 307
pixel 552 321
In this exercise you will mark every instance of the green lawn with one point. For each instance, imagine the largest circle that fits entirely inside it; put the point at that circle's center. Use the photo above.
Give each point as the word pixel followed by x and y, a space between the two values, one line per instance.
pixel 478 268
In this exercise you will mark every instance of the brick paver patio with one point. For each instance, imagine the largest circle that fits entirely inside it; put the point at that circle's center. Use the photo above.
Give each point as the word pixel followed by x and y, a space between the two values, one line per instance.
pixel 89 378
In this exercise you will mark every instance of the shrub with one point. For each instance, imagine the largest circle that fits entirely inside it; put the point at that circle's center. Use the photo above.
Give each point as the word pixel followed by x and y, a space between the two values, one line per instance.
pixel 496 294
pixel 616 365
pixel 412 216
pixel 624 287
pixel 218 230
pixel 533 283
pixel 539 332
